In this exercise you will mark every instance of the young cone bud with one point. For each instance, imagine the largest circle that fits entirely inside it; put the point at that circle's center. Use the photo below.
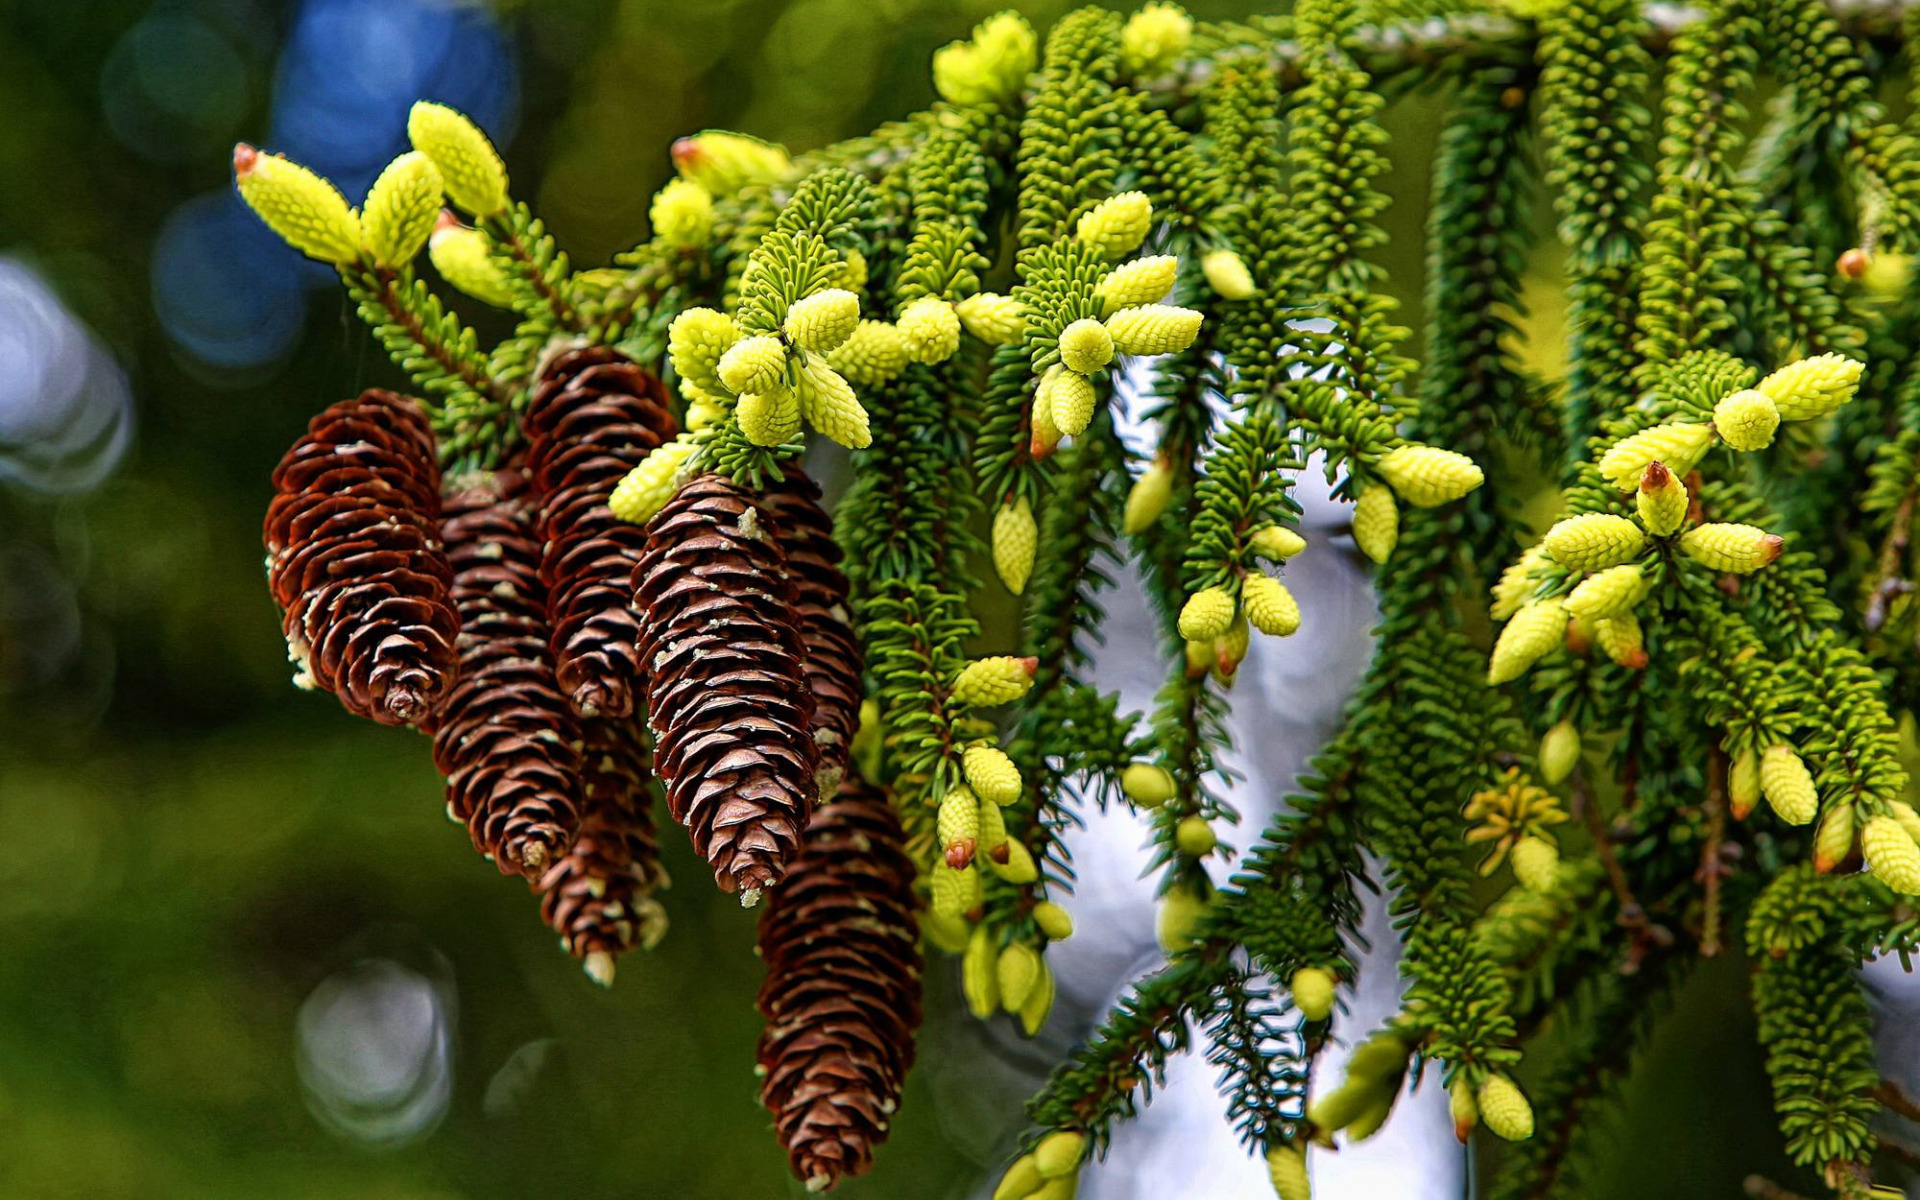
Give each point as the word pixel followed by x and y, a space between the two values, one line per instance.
pixel 957 827
pixel 1147 785
pixel 1427 476
pixel 1022 1179
pixel 696 340
pixel 1055 922
pixel 1741 549
pixel 1039 1006
pixel 1154 37
pixel 460 255
pixel 724 162
pixel 1277 543
pixel 873 354
pixel 1609 593
pixel 931 329
pixel 1227 275
pixel 470 168
pixel 1154 329
pixel 1680 447
pixel 1016 972
pixel 1070 399
pixel 991 774
pixel 1117 225
pixel 822 322
pixel 1662 500
pixel 985 682
pixel 1142 281
pixel 1516 584
pixel 1622 640
pixel 1376 523
pixel 1313 992
pixel 995 319
pixel 1194 837
pixel 1270 606
pixel 1833 839
pixel 753 364
pixel 1016 537
pixel 1812 387
pixel 989 68
pixel 306 211
pixel 682 214
pixel 1593 542
pixel 993 832
pixel 1287 1170
pixel 1908 818
pixel 1180 911
pixel 1505 1110
pixel 1891 855
pixel 1018 866
pixel 1085 346
pixel 1149 497
pixel 978 977
pixel 1560 751
pixel 402 209
pixel 1743 784
pixel 1536 864
pixel 646 489
pixel 1788 786
pixel 1046 433
pixel 827 401
pixel 1746 420
pixel 1206 614
pixel 1464 1109
pixel 1533 632
pixel 769 418
pixel 954 892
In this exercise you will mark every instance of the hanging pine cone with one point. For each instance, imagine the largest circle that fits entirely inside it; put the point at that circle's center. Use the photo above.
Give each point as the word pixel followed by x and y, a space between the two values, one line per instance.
pixel 600 897
pixel 507 740
pixel 726 687
pixel 805 531
pixel 354 558
pixel 842 993
pixel 592 417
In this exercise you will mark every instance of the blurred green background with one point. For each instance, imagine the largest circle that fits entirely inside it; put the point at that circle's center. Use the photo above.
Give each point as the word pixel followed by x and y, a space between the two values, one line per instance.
pixel 242 954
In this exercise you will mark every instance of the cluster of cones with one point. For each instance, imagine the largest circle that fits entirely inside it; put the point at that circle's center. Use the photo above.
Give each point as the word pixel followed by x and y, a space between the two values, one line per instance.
pixel 540 640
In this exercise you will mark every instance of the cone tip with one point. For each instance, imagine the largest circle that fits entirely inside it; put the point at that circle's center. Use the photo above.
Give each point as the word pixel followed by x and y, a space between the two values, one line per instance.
pixel 1655 477
pixel 244 158
pixel 599 968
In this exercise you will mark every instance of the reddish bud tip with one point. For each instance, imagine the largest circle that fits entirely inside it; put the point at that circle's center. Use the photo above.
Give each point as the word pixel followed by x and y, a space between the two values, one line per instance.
pixel 244 157
pixel 1002 854
pixel 1771 547
pixel 1637 661
pixel 1031 665
pixel 960 854
pixel 1655 477
pixel 447 221
pixel 1854 264
pixel 685 152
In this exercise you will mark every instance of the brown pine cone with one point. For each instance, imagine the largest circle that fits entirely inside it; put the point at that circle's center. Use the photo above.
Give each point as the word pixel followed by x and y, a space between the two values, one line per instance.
pixel 507 740
pixel 354 558
pixel 592 417
pixel 842 993
pixel 727 694
pixel 805 531
pixel 600 897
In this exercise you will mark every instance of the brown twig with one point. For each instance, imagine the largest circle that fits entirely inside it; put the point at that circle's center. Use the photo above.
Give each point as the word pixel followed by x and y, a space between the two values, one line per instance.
pixel 1711 868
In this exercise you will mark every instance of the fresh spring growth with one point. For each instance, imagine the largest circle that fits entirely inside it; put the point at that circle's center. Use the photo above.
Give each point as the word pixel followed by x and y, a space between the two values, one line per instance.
pixel 1313 992
pixel 991 774
pixel 1516 583
pixel 1060 1153
pixel 1016 537
pixel 1206 614
pixel 306 211
pixel 1154 37
pixel 829 405
pixel 1039 1006
pixel 853 272
pixel 1504 1109
pixel 990 67
pixel 1679 446
pixel 1376 523
pixel 1608 593
pixel 873 354
pixel 1833 838
pixel 947 934
pixel 1147 785
pixel 1287 1171
pixel 1908 818
pixel 1055 922
pixel 1593 541
pixel 1086 346
pixel 1746 420
pixel 957 826
pixel 954 892
pixel 1812 387
pixel 1427 476
pixel 822 323
pixel 1536 863
pixel 1148 497
pixel 1661 501
pixel 1743 784
pixel 647 488
pixel 1270 606
pixel 1153 329
pixel 979 975
pixel 1227 275
pixel 769 418
pixel 724 162
pixel 1178 923
pixel 682 214
pixel 754 364
pixel 1195 837
pixel 1230 648
pixel 459 253
pixel 1020 1182
pixel 1737 548
pixel 1560 751
pixel 1017 866
pixel 1069 399
pixel 1622 640
pixel 1142 281
pixel 1276 543
pixel 1891 855
pixel 931 328
pixel 1116 226
pixel 696 340
pixel 470 168
pixel 1016 972
pixel 1534 631
pixel 995 319
pixel 402 208
pixel 1046 434
pixel 1788 785
pixel 1463 1108
pixel 993 832
pixel 985 682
